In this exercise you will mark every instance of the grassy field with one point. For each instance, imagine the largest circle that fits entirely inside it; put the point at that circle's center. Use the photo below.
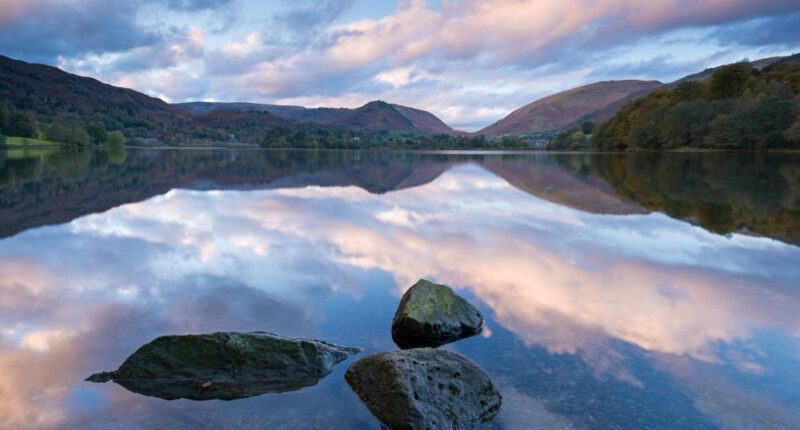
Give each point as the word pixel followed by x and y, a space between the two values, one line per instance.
pixel 18 153
pixel 26 141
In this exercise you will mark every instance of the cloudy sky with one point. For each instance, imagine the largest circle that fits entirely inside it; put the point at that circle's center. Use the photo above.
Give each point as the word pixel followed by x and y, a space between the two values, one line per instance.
pixel 470 62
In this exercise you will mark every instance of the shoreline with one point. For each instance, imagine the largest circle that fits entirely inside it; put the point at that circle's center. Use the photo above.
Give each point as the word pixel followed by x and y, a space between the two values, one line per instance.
pixel 7 147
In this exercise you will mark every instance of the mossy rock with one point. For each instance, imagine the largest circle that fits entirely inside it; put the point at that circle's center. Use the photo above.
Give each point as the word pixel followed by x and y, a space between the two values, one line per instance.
pixel 424 389
pixel 432 314
pixel 225 365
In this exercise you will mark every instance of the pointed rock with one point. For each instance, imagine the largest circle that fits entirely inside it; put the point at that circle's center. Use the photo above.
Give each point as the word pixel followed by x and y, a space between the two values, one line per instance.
pixel 431 315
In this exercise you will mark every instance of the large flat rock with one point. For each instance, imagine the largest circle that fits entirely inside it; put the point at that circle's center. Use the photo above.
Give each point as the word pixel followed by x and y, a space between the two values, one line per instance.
pixel 225 365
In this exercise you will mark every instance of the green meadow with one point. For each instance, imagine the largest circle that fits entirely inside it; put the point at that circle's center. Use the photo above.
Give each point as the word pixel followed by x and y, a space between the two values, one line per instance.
pixel 27 141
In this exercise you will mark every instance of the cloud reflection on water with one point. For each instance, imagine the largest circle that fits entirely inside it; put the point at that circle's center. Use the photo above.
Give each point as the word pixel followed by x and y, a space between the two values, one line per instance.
pixel 192 261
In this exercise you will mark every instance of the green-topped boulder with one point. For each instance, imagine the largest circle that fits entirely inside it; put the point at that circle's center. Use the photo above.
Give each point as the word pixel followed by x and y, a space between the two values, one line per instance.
pixel 225 365
pixel 424 388
pixel 432 314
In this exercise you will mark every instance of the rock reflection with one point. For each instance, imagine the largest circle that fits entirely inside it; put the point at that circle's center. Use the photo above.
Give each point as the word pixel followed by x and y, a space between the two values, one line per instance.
pixel 218 390
pixel 409 342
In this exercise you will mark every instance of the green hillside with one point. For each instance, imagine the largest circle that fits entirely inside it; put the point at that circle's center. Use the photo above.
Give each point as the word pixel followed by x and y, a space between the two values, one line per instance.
pixel 738 108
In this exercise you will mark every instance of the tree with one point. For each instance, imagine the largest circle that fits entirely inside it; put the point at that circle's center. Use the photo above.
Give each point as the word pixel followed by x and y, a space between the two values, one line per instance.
pixel 730 81
pixel 723 133
pixel 116 138
pixel 687 91
pixel 69 129
pixel 685 124
pixel 97 134
pixel 5 117
pixel 792 134
pixel 587 127
pixel 644 134
pixel 21 125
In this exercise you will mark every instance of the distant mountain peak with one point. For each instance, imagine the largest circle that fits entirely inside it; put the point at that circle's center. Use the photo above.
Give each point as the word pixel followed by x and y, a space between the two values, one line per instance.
pixel 377 103
pixel 375 115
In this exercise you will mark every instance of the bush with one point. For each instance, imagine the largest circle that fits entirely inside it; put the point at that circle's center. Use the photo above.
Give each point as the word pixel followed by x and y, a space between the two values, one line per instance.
pixel 116 138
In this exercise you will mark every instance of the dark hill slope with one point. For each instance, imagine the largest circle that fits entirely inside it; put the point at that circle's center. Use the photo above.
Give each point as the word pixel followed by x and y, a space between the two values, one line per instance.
pixel 560 110
pixel 382 116
pixel 48 91
pixel 283 111
pixel 375 116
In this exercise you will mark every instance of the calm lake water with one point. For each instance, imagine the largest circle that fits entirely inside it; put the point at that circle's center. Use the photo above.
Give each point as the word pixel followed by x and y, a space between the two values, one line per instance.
pixel 637 291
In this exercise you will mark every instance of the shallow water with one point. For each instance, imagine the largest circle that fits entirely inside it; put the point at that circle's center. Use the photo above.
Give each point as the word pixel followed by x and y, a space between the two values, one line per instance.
pixel 621 291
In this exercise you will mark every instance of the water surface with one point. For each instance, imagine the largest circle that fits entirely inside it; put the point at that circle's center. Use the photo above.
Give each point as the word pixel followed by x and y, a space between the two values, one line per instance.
pixel 621 291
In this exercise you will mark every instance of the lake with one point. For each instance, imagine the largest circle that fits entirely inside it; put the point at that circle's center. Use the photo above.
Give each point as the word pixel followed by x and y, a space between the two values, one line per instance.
pixel 635 291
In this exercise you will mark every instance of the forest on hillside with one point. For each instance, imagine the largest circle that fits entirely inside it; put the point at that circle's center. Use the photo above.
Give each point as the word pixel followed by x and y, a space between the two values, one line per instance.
pixel 738 108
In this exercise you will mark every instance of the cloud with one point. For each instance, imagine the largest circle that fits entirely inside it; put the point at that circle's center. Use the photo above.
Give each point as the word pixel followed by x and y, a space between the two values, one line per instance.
pixel 76 31
pixel 507 31
pixel 776 31
pixel 195 5
pixel 478 44
pixel 306 19
pixel 662 64
pixel 470 62
pixel 44 30
pixel 180 48
pixel 170 85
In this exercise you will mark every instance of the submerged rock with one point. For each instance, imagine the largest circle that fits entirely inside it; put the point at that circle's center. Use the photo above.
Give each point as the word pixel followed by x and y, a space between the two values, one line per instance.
pixel 431 315
pixel 424 389
pixel 225 365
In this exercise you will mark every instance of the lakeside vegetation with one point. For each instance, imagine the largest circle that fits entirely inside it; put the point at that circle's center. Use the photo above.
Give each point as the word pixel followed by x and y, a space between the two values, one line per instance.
pixel 724 193
pixel 738 108
pixel 286 139
pixel 232 129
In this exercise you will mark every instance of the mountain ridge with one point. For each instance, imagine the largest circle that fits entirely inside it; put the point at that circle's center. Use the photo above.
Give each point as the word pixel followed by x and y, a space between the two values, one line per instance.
pixel 48 93
pixel 560 110
pixel 34 87
pixel 376 115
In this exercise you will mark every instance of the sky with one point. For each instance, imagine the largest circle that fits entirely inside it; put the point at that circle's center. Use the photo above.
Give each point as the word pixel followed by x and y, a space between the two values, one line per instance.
pixel 470 62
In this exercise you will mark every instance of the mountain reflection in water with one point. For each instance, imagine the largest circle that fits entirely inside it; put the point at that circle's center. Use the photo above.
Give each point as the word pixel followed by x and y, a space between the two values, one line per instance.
pixel 600 313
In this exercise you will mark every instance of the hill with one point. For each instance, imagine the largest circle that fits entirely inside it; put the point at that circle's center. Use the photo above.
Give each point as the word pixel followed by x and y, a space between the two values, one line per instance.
pixel 48 92
pixel 740 106
pixel 376 116
pixel 707 73
pixel 39 101
pixel 385 117
pixel 595 102
pixel 283 111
